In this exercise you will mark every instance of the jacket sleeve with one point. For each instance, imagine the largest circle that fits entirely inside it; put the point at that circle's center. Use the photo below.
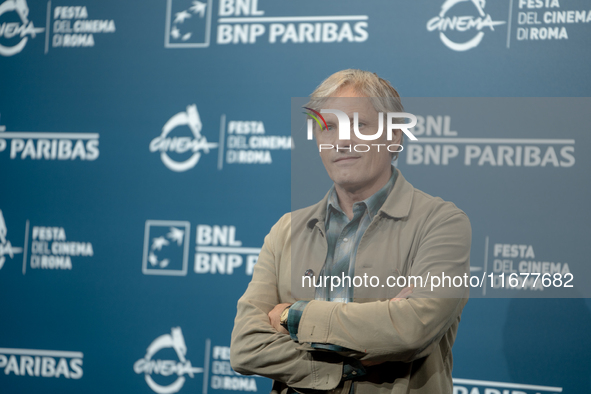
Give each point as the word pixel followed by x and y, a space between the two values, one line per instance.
pixel 408 329
pixel 257 348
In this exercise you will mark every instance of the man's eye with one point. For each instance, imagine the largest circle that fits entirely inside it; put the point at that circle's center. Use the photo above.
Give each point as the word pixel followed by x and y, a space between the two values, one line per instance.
pixel 330 127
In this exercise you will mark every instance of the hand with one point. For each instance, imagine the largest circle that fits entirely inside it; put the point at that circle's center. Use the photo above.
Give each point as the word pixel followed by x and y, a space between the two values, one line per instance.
pixel 275 318
pixel 403 295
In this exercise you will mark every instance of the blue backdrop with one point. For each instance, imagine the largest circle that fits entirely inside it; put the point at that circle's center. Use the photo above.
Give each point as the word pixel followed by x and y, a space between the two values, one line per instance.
pixel 145 153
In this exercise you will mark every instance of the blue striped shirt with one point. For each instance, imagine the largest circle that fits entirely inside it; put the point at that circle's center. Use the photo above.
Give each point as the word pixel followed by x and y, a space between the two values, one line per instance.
pixel 343 237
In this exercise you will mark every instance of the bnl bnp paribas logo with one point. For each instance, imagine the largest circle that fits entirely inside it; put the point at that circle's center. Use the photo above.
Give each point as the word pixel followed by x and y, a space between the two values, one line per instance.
pixel 182 142
pixel 465 21
pixel 217 249
pixel 42 145
pixel 41 363
pixel 15 27
pixel 239 22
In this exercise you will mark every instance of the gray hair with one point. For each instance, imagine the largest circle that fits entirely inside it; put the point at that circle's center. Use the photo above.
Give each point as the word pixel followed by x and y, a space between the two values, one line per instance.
pixel 381 93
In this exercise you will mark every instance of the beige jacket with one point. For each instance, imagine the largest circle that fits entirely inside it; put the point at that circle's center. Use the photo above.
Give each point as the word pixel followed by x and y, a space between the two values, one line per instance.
pixel 413 234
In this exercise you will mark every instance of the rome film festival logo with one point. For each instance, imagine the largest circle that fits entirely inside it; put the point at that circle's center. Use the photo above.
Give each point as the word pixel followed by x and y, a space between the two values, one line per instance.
pixel 6 247
pixel 148 366
pixel 180 145
pixel 442 22
pixel 9 30
pixel 345 128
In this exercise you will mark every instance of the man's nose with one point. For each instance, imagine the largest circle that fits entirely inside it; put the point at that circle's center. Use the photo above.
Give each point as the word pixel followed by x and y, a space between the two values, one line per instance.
pixel 345 142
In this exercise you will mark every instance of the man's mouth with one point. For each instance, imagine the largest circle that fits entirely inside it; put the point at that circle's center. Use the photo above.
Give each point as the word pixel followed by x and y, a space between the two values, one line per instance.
pixel 346 159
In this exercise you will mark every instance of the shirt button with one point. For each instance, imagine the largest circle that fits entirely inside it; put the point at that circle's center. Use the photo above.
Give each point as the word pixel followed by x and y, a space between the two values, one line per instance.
pixel 354 372
pixel 309 272
pixel 345 239
pixel 344 375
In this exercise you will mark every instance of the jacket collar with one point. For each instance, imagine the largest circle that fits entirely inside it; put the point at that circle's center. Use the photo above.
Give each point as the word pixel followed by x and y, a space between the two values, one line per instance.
pixel 396 206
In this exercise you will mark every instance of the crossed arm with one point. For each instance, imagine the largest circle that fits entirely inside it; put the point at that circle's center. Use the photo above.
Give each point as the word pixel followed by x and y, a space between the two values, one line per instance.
pixel 375 331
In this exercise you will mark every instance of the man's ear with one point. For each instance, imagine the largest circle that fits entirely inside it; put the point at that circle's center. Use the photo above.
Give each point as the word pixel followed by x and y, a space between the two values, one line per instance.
pixel 397 137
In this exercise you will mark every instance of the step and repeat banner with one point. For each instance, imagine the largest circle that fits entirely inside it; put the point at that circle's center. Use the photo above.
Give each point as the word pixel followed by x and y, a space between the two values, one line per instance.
pixel 146 150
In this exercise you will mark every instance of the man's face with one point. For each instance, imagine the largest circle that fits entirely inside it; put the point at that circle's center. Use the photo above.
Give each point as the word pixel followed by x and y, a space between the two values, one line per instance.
pixel 355 171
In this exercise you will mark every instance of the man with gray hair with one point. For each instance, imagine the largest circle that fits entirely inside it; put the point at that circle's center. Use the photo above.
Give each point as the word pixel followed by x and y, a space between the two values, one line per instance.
pixel 372 223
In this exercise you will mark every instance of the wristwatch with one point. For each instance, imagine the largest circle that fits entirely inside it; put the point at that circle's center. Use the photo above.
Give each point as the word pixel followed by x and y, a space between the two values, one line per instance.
pixel 283 317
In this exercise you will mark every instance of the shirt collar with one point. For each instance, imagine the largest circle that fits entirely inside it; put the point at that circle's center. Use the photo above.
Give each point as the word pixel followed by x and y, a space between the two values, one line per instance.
pixel 397 206
pixel 373 203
